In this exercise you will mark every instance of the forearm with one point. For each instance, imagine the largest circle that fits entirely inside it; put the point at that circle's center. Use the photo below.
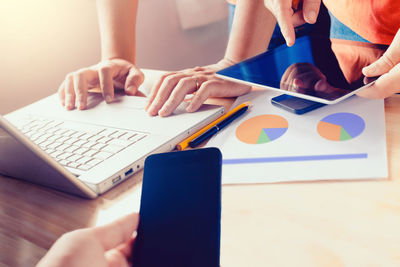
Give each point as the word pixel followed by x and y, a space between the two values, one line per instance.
pixel 117 21
pixel 251 32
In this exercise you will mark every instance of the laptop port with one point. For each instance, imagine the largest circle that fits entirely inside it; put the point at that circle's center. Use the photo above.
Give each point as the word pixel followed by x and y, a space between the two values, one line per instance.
pixel 128 172
pixel 116 179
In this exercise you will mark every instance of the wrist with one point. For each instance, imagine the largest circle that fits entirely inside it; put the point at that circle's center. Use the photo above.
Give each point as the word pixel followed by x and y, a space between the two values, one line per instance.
pixel 222 64
pixel 226 62
pixel 117 59
pixel 124 55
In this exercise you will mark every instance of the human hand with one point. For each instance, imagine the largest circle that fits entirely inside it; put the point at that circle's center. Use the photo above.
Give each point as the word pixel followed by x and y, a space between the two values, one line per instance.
pixel 289 16
pixel 388 68
pixel 106 74
pixel 108 245
pixel 172 87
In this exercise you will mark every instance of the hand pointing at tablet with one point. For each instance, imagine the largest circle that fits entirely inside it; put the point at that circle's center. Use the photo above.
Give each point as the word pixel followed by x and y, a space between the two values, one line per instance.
pixel 292 13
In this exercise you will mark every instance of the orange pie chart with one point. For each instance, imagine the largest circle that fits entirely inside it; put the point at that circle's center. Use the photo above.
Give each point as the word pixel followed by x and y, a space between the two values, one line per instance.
pixel 262 129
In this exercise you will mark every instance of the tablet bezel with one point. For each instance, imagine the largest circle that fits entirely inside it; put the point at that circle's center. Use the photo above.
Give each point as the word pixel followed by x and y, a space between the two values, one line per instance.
pixel 308 97
pixel 231 76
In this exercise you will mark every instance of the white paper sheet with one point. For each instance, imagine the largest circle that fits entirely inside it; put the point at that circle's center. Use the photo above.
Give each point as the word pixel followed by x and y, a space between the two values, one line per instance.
pixel 301 153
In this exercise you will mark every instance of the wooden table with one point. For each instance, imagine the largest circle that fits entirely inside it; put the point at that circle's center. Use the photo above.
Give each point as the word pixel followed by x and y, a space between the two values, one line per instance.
pixel 291 224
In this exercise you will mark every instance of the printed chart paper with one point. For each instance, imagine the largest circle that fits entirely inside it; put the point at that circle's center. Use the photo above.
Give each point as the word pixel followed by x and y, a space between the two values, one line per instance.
pixel 345 141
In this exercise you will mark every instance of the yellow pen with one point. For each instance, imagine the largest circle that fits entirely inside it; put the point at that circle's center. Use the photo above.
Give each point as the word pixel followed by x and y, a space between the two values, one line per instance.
pixel 185 143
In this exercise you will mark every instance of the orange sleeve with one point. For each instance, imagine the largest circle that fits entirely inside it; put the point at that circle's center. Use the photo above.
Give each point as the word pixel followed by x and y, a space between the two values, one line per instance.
pixel 375 21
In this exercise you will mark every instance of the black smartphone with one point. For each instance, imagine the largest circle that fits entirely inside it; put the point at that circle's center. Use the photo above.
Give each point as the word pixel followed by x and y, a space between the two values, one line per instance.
pixel 295 104
pixel 180 210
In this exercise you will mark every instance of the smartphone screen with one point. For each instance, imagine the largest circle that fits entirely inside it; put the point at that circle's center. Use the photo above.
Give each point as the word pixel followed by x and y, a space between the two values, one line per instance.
pixel 180 210
pixel 295 104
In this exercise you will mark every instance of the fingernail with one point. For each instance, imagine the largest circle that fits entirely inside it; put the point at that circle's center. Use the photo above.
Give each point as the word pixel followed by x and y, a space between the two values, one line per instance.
pixel 68 103
pixel 150 110
pixel 131 89
pixel 189 108
pixel 312 16
pixel 148 107
pixel 108 99
pixel 82 105
pixel 371 69
pixel 164 110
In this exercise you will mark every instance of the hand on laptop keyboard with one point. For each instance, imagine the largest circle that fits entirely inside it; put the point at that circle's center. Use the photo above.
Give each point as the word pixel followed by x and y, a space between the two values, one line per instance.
pixel 171 89
pixel 104 75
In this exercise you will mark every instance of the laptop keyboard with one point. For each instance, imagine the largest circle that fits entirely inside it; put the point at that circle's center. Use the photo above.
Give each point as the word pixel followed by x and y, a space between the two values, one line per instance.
pixel 77 145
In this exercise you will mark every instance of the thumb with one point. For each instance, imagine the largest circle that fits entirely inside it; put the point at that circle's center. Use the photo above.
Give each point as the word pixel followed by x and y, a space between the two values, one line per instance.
pixel 134 79
pixel 117 232
pixel 387 61
pixel 311 10
pixel 379 67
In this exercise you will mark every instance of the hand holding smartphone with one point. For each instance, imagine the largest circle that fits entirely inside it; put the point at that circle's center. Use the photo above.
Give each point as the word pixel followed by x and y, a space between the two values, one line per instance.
pixel 180 210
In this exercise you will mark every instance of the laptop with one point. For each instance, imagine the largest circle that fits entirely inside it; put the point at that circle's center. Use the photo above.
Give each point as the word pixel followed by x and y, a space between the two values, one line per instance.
pixel 88 152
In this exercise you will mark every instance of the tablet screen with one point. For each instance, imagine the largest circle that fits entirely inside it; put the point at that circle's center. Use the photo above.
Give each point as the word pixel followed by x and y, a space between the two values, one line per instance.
pixel 308 69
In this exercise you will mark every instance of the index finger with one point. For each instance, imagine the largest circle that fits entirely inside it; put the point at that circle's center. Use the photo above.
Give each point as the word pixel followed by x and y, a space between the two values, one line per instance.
pixel 311 10
pixel 117 232
pixel 155 89
pixel 134 79
pixel 81 88
pixel 106 75
pixel 284 13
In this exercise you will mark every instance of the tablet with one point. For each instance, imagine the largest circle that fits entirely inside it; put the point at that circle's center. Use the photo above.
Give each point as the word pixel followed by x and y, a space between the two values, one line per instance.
pixel 308 69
